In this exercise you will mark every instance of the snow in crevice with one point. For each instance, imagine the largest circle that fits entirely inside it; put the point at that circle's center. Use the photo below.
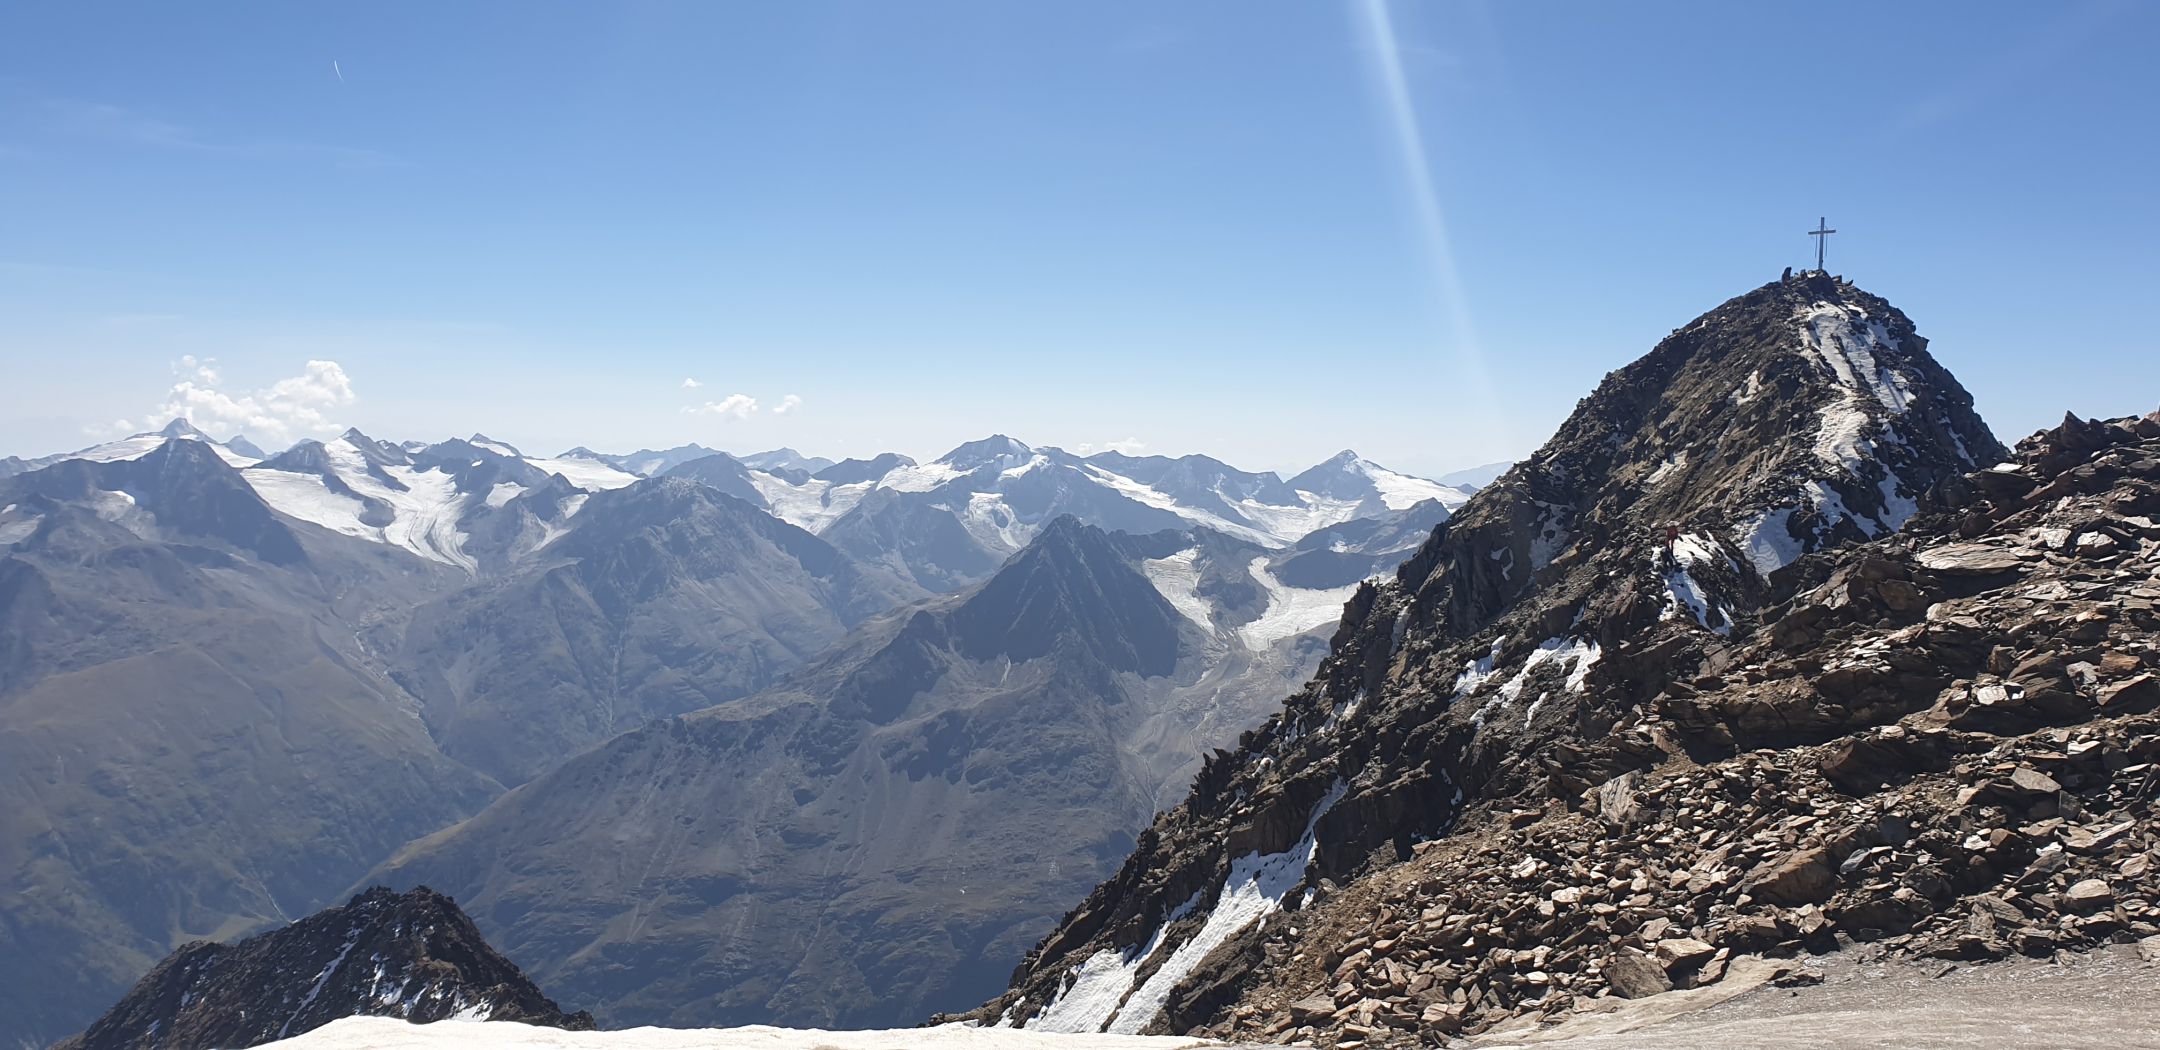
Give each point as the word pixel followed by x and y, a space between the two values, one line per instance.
pixel 1549 536
pixel 1846 342
pixel 321 980
pixel 1768 542
pixel 1683 592
pixel 1254 889
pixel 1580 654
pixel 1475 672
pixel 1693 551
pixel 1675 462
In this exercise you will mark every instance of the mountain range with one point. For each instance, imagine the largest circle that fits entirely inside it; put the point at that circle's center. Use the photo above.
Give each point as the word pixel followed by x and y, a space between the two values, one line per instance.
pixel 1772 649
pixel 233 683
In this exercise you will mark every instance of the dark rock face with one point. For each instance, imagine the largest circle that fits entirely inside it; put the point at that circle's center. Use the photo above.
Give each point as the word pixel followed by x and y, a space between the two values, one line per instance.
pixel 1518 654
pixel 411 955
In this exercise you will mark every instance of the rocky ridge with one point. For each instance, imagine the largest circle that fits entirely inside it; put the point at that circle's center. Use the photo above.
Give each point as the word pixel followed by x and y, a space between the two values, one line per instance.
pixel 413 956
pixel 1945 748
pixel 1521 656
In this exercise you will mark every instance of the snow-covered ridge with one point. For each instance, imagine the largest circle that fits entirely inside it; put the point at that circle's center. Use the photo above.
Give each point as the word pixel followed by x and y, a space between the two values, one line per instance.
pixel 426 497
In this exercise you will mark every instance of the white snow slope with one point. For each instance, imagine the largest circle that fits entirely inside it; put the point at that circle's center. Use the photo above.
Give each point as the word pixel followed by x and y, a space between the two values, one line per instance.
pixel 384 1033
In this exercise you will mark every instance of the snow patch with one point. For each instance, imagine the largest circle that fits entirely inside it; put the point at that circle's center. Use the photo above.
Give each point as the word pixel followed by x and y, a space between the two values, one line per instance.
pixel 1254 888
pixel 1177 579
pixel 1768 542
pixel 1291 610
pixel 588 474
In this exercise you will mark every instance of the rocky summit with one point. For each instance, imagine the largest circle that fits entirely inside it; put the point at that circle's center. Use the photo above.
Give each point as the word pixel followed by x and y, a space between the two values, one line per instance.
pixel 1768 650
pixel 413 956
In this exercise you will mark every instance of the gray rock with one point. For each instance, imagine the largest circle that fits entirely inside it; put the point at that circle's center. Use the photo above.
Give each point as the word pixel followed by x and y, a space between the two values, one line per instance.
pixel 1634 975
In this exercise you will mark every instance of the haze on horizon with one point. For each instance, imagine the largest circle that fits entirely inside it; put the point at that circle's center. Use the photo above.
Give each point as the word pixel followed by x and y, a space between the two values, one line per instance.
pixel 1419 231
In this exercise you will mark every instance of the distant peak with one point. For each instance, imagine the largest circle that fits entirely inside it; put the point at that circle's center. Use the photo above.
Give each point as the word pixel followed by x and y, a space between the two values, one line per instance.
pixel 993 449
pixel 181 428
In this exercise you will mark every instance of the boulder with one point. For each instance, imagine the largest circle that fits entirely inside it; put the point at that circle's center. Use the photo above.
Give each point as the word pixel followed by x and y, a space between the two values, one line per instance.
pixel 1679 953
pixel 1970 559
pixel 1799 877
pixel 1634 975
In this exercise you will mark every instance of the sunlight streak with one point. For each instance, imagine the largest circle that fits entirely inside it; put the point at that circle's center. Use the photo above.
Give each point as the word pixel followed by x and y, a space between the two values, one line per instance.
pixel 1394 91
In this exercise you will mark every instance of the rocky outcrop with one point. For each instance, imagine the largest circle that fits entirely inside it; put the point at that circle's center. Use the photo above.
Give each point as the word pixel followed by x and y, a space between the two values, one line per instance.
pixel 412 955
pixel 1981 783
pixel 1536 653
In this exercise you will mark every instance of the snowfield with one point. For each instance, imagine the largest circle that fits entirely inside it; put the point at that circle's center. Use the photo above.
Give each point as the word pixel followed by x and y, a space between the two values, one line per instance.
pixel 386 1033
pixel 1291 610
pixel 588 474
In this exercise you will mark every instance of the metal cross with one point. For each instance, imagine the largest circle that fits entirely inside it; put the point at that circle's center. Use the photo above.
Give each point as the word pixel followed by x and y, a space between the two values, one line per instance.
pixel 1821 233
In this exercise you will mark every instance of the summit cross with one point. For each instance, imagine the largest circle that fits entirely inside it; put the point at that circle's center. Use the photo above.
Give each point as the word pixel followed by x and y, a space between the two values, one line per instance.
pixel 1821 233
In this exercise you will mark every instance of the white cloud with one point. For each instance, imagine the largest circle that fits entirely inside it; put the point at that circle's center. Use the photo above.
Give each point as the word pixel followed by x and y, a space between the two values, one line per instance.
pixel 691 384
pixel 787 404
pixel 740 406
pixel 277 415
pixel 1129 446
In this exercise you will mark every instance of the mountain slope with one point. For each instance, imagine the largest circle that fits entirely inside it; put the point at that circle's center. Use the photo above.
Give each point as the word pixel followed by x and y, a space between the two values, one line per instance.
pixel 195 739
pixel 663 597
pixel 1803 415
pixel 238 452
pixel 865 842
pixel 412 956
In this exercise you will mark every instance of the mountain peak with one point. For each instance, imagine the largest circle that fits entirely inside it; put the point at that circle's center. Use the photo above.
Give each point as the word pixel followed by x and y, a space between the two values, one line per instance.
pixel 997 449
pixel 410 955
pixel 784 459
pixel 503 448
pixel 181 428
pixel 1655 524
pixel 1071 586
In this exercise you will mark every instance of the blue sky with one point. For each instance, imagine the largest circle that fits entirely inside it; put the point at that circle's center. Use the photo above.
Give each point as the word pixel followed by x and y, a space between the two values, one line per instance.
pixel 1264 231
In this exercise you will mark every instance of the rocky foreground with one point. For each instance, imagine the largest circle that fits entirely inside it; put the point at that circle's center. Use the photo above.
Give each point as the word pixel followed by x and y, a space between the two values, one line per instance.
pixel 1948 748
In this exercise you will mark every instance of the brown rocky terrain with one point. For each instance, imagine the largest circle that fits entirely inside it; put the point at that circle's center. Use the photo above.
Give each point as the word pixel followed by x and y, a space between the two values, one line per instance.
pixel 1557 762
